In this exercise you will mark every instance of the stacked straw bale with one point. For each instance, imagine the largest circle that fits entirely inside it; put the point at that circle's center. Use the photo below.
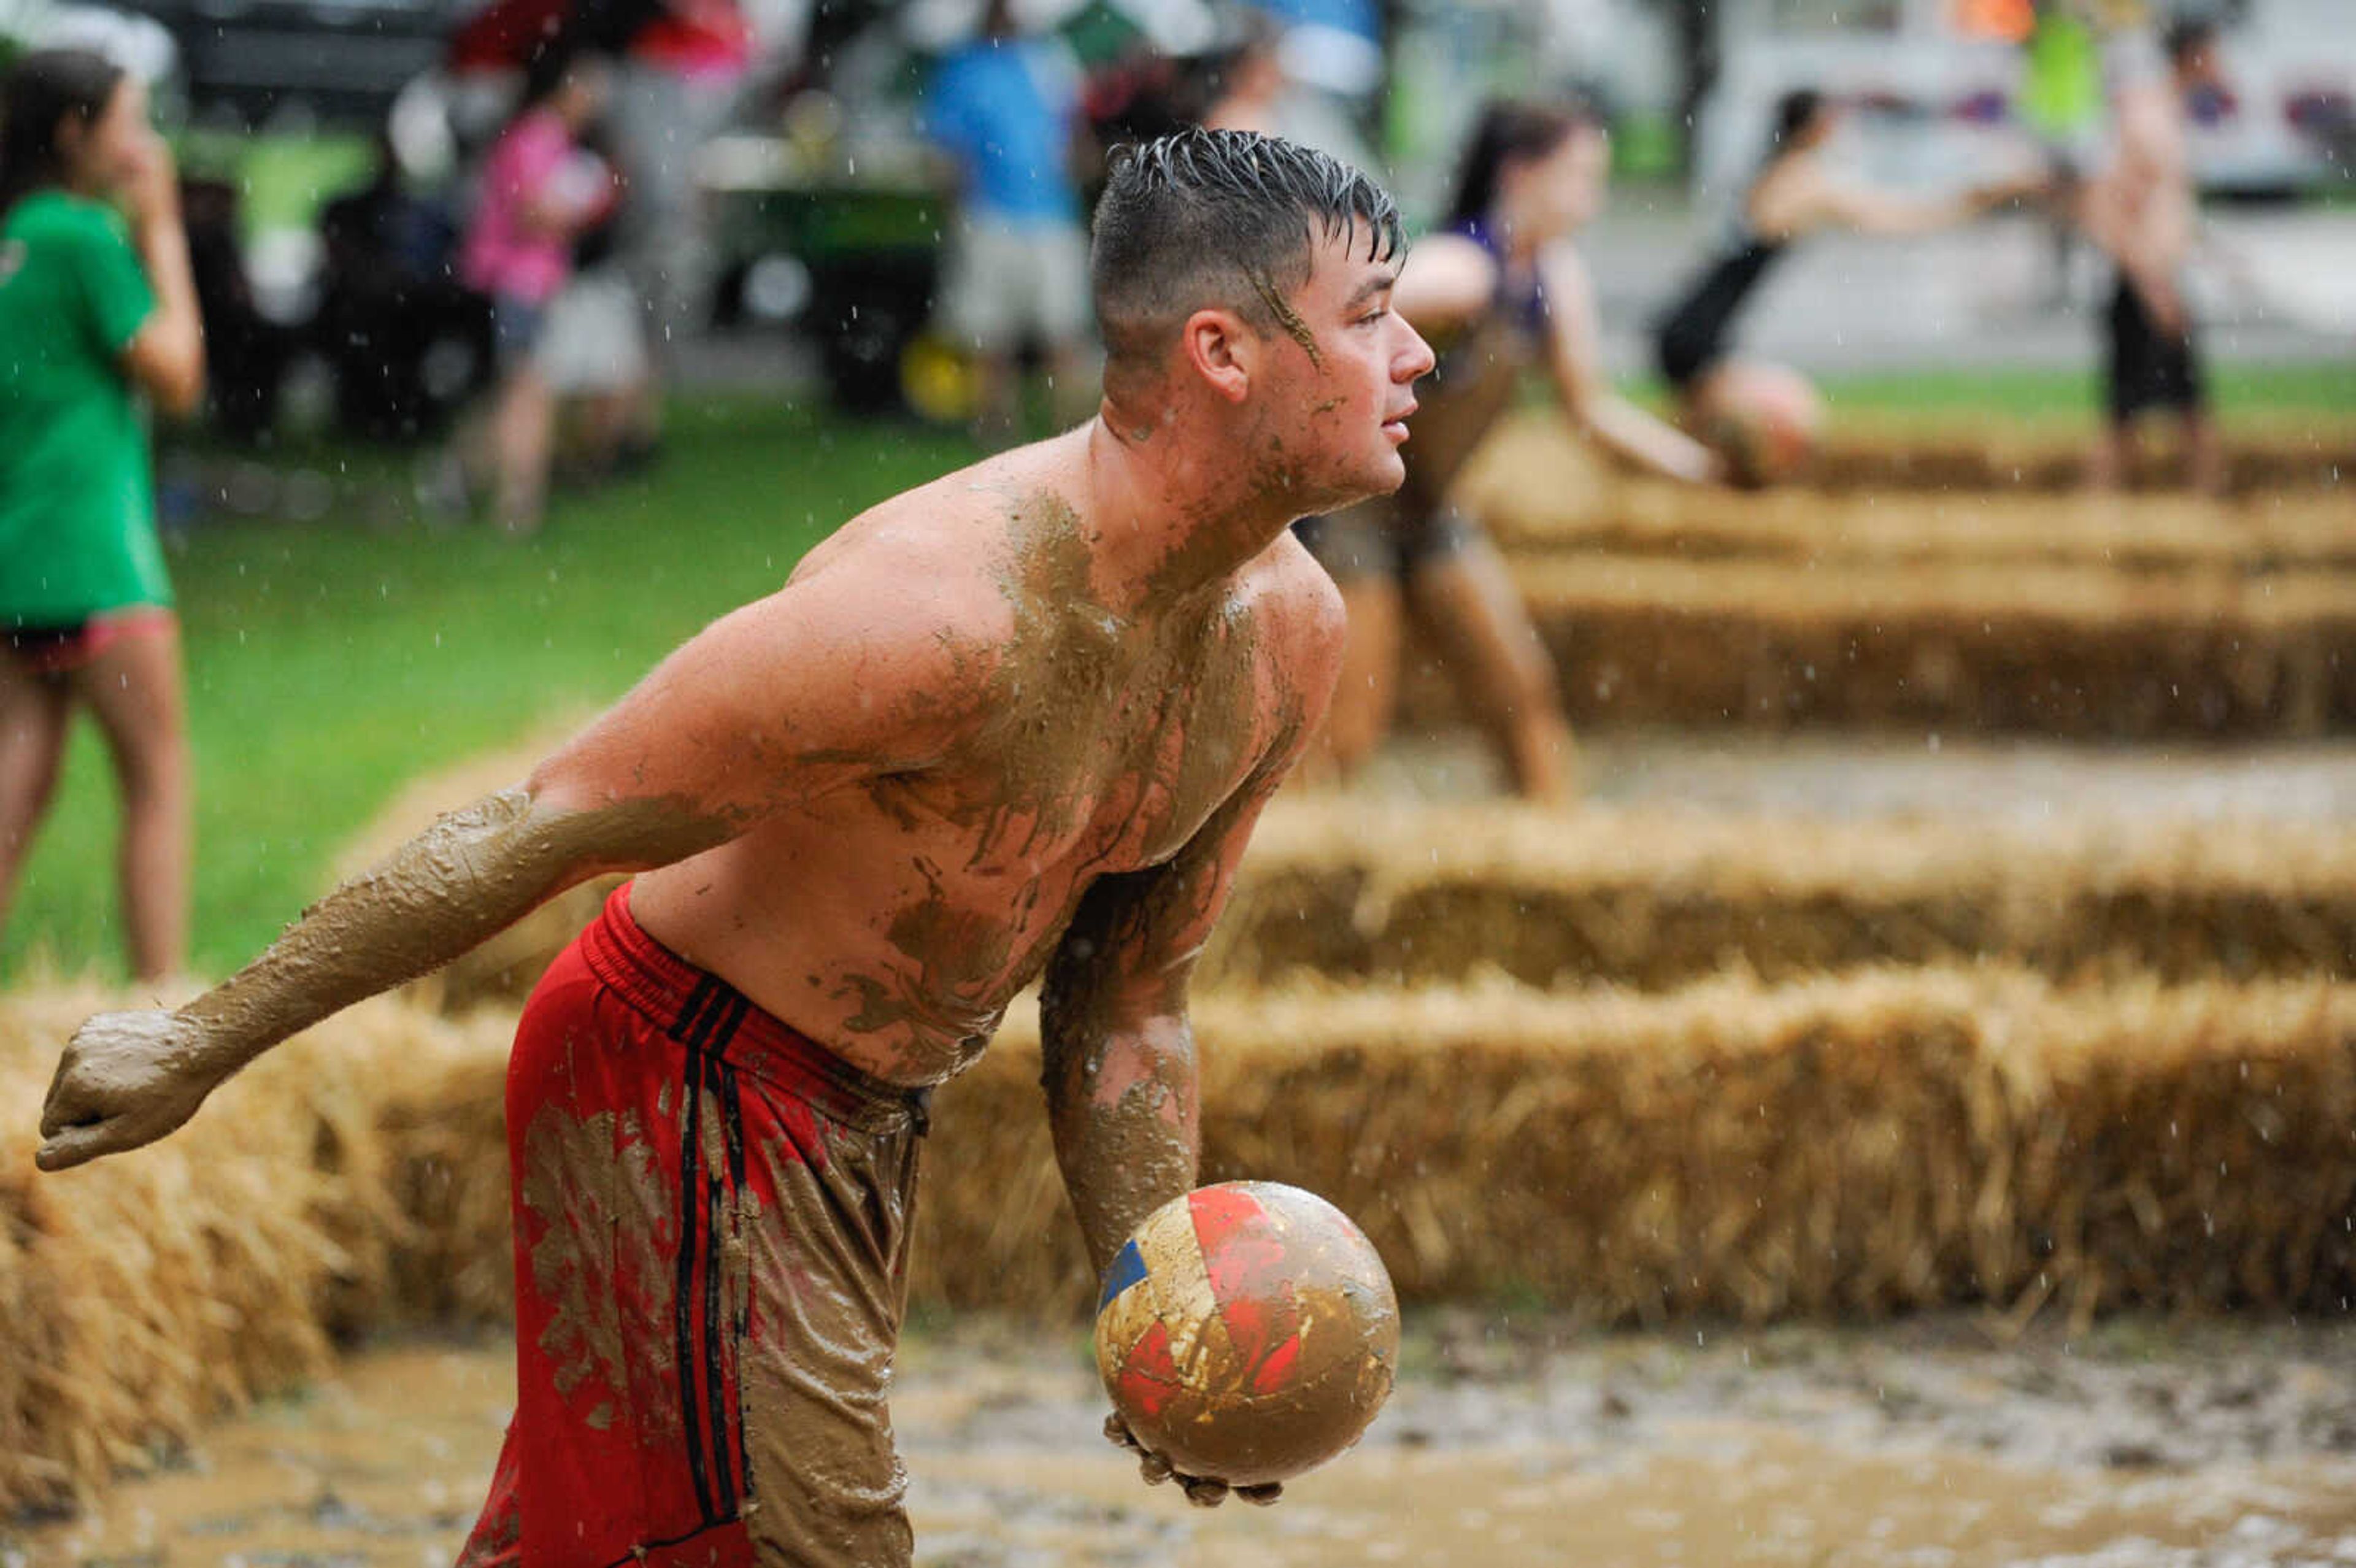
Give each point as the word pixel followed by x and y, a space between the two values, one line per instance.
pixel 144 1295
pixel 1651 899
pixel 1537 454
pixel 2055 650
pixel 1353 890
pixel 2274 532
pixel 1856 1146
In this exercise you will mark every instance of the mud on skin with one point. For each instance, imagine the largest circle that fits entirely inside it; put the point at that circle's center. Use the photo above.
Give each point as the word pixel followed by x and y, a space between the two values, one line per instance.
pixel 1175 708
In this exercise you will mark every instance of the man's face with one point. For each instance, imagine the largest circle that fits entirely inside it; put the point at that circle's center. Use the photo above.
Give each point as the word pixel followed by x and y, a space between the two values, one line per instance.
pixel 1334 408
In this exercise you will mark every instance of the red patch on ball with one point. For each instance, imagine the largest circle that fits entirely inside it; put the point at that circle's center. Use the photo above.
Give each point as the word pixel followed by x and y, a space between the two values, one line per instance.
pixel 1248 1332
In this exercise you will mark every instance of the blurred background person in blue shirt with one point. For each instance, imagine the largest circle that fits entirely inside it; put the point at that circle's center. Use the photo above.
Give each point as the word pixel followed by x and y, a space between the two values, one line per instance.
pixel 1006 107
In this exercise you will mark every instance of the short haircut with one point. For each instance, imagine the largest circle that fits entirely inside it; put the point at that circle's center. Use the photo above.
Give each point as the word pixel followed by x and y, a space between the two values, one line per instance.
pixel 2187 36
pixel 1224 219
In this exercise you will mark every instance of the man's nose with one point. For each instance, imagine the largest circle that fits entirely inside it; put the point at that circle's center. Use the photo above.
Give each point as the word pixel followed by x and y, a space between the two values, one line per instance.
pixel 1419 359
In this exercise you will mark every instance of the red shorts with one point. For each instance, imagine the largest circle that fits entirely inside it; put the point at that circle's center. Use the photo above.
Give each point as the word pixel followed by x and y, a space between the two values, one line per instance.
pixel 711 1240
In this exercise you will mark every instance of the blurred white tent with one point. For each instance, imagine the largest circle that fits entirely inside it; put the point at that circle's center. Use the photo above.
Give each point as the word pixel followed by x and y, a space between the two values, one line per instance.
pixel 140 45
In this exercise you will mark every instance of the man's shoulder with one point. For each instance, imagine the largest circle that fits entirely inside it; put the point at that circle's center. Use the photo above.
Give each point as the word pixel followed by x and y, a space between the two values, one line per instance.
pixel 1298 609
pixel 926 560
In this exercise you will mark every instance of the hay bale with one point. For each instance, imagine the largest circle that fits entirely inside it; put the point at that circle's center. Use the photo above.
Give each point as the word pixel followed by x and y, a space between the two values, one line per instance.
pixel 148 1294
pixel 1537 454
pixel 1859 1145
pixel 2141 534
pixel 1405 894
pixel 2051 650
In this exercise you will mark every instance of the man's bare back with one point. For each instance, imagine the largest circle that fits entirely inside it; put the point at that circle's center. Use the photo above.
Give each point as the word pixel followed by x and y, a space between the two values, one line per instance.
pixel 1076 730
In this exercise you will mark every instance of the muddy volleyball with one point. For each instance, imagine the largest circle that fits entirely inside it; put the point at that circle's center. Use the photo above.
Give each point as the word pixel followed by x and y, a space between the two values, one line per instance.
pixel 1248 1332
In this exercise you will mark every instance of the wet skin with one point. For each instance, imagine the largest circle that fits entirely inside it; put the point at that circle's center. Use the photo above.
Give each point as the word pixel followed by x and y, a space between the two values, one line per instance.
pixel 1039 702
pixel 1053 735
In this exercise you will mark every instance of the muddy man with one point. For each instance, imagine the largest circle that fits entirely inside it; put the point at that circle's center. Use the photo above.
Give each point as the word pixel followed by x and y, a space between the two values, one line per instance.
pixel 1015 723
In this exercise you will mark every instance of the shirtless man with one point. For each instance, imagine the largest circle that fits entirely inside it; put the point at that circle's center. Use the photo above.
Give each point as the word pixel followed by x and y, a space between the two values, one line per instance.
pixel 1018 721
pixel 2142 211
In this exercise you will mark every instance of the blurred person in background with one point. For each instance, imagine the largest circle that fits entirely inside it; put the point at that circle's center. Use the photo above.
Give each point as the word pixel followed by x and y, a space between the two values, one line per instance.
pixel 1005 107
pixel 93 315
pixel 1501 289
pixel 593 354
pixel 1761 418
pixel 540 188
pixel 2061 107
pixel 389 296
pixel 678 69
pixel 1247 86
pixel 2143 212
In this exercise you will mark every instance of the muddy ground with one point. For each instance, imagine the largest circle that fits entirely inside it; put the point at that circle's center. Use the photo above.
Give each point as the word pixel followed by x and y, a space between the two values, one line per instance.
pixel 1511 1440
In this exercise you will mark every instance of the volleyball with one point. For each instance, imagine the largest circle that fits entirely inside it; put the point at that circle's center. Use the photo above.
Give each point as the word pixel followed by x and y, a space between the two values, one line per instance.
pixel 1248 1332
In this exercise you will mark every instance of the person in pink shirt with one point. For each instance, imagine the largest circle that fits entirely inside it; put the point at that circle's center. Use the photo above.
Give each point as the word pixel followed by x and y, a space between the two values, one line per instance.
pixel 540 189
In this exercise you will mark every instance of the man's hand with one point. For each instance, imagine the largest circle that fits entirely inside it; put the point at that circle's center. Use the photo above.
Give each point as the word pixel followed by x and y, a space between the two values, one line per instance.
pixel 125 1079
pixel 1203 1491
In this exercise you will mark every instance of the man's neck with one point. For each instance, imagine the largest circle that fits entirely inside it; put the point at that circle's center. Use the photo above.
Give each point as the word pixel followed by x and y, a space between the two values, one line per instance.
pixel 1175 508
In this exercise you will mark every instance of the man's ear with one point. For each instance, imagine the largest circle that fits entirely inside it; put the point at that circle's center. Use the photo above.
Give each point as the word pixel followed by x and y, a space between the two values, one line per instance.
pixel 1222 350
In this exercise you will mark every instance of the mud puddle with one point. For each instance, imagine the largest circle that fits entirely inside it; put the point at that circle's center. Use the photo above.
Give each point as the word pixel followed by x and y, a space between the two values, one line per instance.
pixel 1931 1445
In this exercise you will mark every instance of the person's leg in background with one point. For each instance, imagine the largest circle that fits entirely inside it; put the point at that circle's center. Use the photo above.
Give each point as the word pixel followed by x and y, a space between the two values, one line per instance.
pixel 133 685
pixel 660 121
pixel 1063 321
pixel 1461 594
pixel 987 283
pixel 34 709
pixel 1355 548
pixel 2204 453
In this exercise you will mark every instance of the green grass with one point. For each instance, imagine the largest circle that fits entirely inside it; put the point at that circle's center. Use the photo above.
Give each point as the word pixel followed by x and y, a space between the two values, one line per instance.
pixel 330 663
pixel 2240 392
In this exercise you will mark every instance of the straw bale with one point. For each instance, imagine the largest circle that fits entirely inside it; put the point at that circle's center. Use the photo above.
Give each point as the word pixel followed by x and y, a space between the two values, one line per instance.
pixel 1652 898
pixel 1537 452
pixel 144 1295
pixel 1858 1146
pixel 2273 532
pixel 2053 650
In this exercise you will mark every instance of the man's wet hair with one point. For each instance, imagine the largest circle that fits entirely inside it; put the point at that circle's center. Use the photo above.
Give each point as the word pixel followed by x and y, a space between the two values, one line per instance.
pixel 1228 218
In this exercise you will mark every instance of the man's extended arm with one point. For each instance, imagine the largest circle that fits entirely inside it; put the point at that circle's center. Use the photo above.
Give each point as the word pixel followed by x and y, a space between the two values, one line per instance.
pixel 774 704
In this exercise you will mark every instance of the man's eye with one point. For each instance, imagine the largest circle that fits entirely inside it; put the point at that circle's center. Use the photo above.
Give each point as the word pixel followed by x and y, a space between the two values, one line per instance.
pixel 1371 316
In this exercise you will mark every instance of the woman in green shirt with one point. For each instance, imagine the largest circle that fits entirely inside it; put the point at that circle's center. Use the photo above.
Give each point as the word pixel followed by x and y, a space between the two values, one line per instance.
pixel 94 313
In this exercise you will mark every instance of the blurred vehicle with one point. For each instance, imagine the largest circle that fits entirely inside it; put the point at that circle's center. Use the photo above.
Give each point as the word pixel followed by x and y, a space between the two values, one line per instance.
pixel 337 62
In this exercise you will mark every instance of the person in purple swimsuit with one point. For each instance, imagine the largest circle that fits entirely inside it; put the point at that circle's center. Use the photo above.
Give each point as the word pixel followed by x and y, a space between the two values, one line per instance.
pixel 1499 290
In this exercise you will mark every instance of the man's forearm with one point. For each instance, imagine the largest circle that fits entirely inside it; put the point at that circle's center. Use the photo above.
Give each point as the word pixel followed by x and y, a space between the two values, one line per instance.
pixel 472 873
pixel 1124 1108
